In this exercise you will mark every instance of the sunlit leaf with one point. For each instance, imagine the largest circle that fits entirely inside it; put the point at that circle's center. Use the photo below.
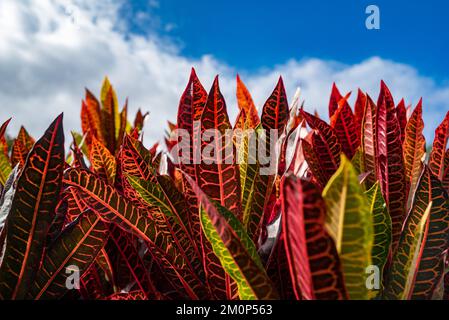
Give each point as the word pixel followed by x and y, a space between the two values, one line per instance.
pixel 350 223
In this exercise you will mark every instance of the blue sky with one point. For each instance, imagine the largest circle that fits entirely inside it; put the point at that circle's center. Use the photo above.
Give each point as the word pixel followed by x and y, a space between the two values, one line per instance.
pixel 52 49
pixel 255 34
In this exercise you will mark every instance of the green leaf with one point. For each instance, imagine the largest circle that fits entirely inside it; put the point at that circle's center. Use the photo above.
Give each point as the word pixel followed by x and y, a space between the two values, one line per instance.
pixel 430 266
pixel 234 248
pixel 5 168
pixel 405 264
pixel 381 227
pixel 350 224
pixel 173 206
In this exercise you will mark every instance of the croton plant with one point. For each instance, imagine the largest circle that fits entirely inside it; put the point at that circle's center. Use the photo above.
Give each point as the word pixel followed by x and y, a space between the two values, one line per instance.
pixel 355 208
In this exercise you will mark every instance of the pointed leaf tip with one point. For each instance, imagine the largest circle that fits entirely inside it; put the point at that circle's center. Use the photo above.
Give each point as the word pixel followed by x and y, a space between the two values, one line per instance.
pixel 280 81
pixel 193 74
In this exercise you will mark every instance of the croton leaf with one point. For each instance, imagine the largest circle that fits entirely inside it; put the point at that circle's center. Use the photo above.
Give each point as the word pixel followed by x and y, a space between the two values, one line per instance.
pixel 350 223
pixel 401 114
pixel 134 265
pixel 324 154
pixel 109 115
pixel 32 212
pixel 136 161
pixel 139 120
pixel 107 202
pixel 172 205
pixel 190 108
pixel 240 122
pixel 344 125
pixel 245 103
pixel 103 162
pixel 93 286
pixel 293 227
pixel 334 99
pixel 436 160
pixel 275 111
pixel 381 228
pixel 4 126
pixel 430 266
pixel 234 248
pixel 219 176
pixel 359 110
pixel 311 252
pixel 402 275
pixel 91 118
pixel 275 116
pixel 277 267
pixel 20 148
pixel 75 204
pixel 73 251
pixel 390 161
pixel 446 171
pixel 369 142
pixel 104 265
pixel 249 171
pixel 414 149
pixel 5 166
pixel 131 296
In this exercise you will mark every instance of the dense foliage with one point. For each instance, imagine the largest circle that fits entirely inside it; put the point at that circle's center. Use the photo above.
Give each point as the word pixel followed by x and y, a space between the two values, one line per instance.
pixel 355 208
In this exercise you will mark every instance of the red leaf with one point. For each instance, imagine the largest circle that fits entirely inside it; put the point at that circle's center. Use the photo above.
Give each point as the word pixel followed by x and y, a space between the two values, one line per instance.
pixel 190 109
pixel 436 160
pixel 343 123
pixel 414 146
pixel 401 114
pixel 334 99
pixel 32 211
pixel 21 146
pixel 324 151
pixel 446 171
pixel 134 160
pixel 91 284
pixel 312 257
pixel 192 103
pixel 390 162
pixel 359 110
pixel 90 118
pixel 245 103
pixel 219 176
pixel 75 205
pixel 130 296
pixel 139 120
pixel 121 245
pixel 369 142
pixel 3 127
pixel 275 110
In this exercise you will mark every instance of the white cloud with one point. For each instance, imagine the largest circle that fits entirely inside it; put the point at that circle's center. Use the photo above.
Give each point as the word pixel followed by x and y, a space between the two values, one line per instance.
pixel 50 51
